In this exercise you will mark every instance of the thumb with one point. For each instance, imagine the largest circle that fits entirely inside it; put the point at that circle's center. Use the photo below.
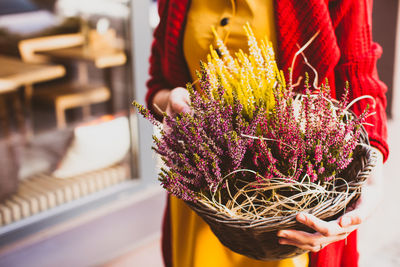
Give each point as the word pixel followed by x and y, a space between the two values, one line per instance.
pixel 350 219
pixel 179 101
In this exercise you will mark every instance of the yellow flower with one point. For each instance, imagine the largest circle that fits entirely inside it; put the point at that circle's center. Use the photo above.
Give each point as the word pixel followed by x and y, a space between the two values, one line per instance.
pixel 250 78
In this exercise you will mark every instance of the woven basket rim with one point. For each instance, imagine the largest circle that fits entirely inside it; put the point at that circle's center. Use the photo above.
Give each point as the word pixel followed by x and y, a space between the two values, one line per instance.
pixel 257 239
pixel 370 163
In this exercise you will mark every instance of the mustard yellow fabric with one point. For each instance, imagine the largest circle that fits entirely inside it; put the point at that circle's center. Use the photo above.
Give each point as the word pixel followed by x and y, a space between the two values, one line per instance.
pixel 193 243
pixel 203 14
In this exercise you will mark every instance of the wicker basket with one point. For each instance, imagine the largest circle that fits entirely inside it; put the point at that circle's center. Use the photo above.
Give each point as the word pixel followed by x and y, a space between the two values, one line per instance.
pixel 258 239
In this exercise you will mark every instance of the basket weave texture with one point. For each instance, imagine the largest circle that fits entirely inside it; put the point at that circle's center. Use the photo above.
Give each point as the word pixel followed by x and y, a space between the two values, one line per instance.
pixel 257 239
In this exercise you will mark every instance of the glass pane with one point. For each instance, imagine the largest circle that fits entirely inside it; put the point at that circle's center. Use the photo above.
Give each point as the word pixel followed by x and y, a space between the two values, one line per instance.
pixel 65 102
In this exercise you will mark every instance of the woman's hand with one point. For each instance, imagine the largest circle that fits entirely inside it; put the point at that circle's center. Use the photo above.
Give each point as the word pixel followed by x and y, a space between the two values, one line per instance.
pixel 329 232
pixel 326 232
pixel 172 101
pixel 178 101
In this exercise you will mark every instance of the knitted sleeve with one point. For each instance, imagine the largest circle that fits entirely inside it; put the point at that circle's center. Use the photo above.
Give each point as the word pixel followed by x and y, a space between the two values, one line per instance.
pixel 358 56
pixel 157 81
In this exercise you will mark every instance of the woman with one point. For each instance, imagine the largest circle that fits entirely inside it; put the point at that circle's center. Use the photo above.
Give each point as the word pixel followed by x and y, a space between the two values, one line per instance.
pixel 343 51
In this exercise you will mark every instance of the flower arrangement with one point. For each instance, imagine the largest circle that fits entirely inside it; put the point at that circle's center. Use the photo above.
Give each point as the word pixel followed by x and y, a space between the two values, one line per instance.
pixel 255 151
pixel 245 117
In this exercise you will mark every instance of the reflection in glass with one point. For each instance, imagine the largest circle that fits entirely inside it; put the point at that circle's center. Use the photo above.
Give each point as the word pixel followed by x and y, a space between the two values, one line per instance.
pixel 65 95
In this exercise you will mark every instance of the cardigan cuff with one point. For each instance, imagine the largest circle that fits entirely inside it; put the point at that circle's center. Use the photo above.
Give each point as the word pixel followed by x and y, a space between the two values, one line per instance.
pixel 381 146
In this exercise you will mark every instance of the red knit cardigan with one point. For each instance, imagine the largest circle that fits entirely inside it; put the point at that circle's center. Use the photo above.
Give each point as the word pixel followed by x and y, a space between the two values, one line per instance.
pixel 343 51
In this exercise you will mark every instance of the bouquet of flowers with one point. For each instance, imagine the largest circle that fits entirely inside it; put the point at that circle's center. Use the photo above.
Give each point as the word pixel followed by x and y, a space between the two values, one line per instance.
pixel 254 153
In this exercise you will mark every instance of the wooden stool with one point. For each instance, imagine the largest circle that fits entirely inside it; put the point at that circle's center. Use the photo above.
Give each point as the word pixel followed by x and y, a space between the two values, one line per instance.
pixel 63 95
pixel 69 96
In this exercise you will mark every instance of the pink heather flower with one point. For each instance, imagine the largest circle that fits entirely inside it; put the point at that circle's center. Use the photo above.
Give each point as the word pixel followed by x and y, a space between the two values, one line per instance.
pixel 321 170
pixel 331 160
pixel 318 153
pixel 310 169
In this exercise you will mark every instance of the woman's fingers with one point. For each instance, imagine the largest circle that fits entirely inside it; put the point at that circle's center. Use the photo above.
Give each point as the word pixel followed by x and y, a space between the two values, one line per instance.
pixel 178 101
pixel 310 247
pixel 349 220
pixel 323 227
pixel 326 232
pixel 300 239
pixel 346 223
pixel 308 241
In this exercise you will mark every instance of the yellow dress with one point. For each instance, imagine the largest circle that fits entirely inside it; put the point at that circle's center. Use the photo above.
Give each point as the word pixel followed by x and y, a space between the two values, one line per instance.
pixel 193 243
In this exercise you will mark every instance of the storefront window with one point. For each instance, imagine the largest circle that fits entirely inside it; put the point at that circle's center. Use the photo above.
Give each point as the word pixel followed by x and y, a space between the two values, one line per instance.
pixel 67 126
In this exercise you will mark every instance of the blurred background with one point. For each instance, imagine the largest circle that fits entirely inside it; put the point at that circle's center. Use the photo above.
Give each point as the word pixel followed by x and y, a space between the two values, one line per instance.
pixel 78 180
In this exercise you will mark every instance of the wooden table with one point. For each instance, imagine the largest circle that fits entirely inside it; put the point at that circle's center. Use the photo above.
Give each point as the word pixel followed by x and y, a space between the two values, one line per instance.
pixel 103 57
pixel 7 86
pixel 14 74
